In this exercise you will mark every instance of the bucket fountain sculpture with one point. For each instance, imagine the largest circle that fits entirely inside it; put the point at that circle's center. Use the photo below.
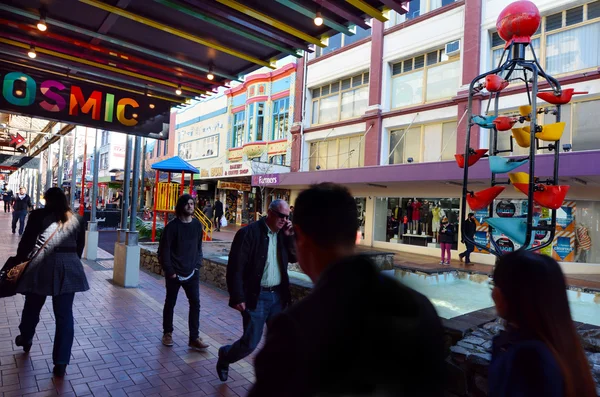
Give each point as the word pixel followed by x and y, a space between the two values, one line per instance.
pixel 516 24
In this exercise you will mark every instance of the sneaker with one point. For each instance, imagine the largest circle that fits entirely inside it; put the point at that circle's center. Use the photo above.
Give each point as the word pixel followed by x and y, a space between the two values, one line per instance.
pixel 448 263
pixel 441 262
pixel 197 344
pixel 167 339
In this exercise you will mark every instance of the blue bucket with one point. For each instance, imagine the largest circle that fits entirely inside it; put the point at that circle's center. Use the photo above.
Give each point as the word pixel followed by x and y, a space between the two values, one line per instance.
pixel 502 165
pixel 485 122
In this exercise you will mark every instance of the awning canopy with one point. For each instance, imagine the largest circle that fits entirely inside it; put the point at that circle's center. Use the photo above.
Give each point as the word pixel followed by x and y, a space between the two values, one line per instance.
pixel 175 164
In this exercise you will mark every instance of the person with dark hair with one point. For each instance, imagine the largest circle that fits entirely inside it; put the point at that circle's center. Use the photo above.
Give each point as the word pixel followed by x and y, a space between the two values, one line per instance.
pixel 7 195
pixel 342 339
pixel 218 209
pixel 469 227
pixel 540 352
pixel 56 271
pixel 21 204
pixel 257 279
pixel 446 238
pixel 180 255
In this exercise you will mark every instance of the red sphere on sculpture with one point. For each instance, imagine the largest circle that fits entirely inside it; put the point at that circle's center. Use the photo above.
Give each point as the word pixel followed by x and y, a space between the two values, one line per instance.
pixel 518 21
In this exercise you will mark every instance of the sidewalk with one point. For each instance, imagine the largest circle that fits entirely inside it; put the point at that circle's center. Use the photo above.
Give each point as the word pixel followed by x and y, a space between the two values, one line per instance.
pixel 117 349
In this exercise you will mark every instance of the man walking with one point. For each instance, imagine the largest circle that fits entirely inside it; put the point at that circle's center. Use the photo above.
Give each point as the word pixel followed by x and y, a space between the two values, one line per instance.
pixel 180 255
pixel 208 210
pixel 338 341
pixel 257 279
pixel 21 203
pixel 218 213
pixel 7 196
pixel 469 227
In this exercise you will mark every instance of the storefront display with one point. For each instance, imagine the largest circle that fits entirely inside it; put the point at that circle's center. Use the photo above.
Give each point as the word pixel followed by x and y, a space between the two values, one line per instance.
pixel 413 221
pixel 361 207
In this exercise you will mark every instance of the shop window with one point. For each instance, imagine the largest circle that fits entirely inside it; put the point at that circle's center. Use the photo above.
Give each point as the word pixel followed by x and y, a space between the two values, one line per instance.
pixel 166 148
pixel 416 9
pixel 340 100
pixel 347 152
pixel 200 148
pixel 103 161
pixel 427 143
pixel 280 118
pixel 413 221
pixel 425 78
pixel 571 38
pixel 239 123
pixel 278 159
pixel 585 126
pixel 341 40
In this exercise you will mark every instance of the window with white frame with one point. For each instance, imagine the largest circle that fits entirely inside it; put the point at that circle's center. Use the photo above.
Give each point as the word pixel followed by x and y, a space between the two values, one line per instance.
pixel 281 110
pixel 345 152
pixel 340 40
pixel 416 9
pixel 423 143
pixel 103 164
pixel 256 122
pixel 278 159
pixel 341 100
pixel 105 139
pixel 566 42
pixel 200 148
pixel 425 78
pixel 239 126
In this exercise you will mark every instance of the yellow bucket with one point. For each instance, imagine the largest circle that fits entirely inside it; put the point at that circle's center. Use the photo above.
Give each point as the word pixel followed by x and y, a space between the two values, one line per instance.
pixel 525 111
pixel 551 132
pixel 522 136
pixel 518 177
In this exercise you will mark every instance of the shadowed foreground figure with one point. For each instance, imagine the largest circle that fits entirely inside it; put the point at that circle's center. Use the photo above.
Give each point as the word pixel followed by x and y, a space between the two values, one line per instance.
pixel 540 353
pixel 358 333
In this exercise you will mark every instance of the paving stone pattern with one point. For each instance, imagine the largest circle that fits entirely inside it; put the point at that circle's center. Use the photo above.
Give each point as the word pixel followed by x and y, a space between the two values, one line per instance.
pixel 117 349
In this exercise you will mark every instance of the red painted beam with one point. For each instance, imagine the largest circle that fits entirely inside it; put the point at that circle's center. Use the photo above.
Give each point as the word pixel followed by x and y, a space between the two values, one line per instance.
pixel 109 52
pixel 347 15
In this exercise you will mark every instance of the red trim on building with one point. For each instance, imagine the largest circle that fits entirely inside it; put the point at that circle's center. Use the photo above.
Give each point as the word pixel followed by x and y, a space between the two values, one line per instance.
pixel 425 17
pixel 260 98
pixel 373 126
pixel 471 46
pixel 280 95
pixel 296 144
pixel 299 91
pixel 238 109
pixel 282 72
pixel 340 50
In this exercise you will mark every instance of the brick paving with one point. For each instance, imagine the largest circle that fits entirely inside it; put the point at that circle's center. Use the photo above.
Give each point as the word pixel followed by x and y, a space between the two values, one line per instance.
pixel 117 349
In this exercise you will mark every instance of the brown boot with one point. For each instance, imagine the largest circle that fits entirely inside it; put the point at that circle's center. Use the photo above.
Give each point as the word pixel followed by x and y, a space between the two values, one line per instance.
pixel 167 339
pixel 197 344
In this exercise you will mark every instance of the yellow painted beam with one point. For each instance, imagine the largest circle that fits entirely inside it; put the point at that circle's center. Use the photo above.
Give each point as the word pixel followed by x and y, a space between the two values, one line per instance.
pixel 174 31
pixel 101 66
pixel 368 9
pixel 244 9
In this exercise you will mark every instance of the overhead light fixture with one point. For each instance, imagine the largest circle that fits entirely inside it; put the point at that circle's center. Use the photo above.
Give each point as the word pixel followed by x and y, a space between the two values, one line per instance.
pixel 41 25
pixel 151 106
pixel 178 90
pixel 135 115
pixel 318 19
pixel 210 74
pixel 31 52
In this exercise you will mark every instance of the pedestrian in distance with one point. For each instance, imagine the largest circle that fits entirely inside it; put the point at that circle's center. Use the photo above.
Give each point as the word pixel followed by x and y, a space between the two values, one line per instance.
pixel 446 239
pixel 21 204
pixel 257 279
pixel 57 235
pixel 218 209
pixel 340 340
pixel 180 255
pixel 540 351
pixel 7 196
pixel 469 227
pixel 208 210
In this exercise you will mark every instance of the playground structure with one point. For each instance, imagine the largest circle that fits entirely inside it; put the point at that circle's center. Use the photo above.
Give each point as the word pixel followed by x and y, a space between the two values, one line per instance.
pixel 167 193
pixel 516 24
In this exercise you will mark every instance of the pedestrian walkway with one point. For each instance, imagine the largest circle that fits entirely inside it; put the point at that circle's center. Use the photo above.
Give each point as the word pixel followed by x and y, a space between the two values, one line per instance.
pixel 117 349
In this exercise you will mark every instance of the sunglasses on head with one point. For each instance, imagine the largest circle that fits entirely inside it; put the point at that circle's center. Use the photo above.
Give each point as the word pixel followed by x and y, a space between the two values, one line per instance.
pixel 282 216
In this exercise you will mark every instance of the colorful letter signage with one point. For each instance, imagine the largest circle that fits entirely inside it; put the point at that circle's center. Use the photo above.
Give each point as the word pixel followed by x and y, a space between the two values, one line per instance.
pixel 66 100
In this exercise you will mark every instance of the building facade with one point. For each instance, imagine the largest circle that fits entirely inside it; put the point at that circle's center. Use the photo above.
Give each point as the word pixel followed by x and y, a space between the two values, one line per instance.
pixel 384 112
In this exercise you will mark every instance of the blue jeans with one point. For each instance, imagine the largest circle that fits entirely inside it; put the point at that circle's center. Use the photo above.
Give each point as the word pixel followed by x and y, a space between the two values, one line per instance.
pixel 268 306
pixel 467 253
pixel 19 216
pixel 63 314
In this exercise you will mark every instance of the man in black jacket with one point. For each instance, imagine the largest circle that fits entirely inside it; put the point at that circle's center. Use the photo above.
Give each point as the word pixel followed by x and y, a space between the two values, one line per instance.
pixel 218 209
pixel 257 279
pixel 180 255
pixel 359 332
pixel 469 227
pixel 21 203
pixel 7 196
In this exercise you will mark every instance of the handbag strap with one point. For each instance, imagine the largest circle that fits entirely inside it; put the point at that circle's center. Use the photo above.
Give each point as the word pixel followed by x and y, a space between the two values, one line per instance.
pixel 45 243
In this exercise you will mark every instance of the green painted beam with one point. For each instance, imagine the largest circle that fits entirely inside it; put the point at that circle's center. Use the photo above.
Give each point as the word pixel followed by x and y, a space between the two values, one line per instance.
pixel 312 14
pixel 112 40
pixel 198 15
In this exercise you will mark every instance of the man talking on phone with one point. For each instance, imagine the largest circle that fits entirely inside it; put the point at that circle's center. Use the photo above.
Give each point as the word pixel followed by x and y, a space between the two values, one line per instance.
pixel 257 279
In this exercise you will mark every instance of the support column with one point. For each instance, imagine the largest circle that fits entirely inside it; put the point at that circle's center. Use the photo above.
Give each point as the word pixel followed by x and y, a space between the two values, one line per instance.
pixel 91 235
pixel 296 130
pixel 38 184
pixel 60 169
pixel 143 191
pixel 49 168
pixel 373 114
pixel 74 169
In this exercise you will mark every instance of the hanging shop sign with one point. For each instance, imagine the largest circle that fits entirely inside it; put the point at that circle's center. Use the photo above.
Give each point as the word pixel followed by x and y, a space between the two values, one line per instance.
pixel 8 162
pixel 231 169
pixel 265 180
pixel 67 100
pixel 241 187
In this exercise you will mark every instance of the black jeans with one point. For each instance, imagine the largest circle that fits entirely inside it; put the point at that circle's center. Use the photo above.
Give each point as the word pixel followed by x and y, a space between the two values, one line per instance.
pixel 192 291
pixel 6 206
pixel 467 253
pixel 63 314
pixel 217 222
pixel 19 216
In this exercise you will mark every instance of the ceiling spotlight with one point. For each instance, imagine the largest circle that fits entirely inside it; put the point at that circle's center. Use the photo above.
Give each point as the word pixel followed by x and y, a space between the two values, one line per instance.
pixel 151 106
pixel 41 25
pixel 178 90
pixel 318 19
pixel 31 52
pixel 135 115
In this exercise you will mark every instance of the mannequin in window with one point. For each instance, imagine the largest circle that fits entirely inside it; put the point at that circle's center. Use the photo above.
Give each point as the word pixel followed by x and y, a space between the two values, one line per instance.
pixel 584 243
pixel 416 216
pixel 425 217
pixel 398 216
pixel 437 213
pixel 409 215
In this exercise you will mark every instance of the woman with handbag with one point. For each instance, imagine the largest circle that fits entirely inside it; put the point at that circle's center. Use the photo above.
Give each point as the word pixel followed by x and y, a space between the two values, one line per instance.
pixel 52 246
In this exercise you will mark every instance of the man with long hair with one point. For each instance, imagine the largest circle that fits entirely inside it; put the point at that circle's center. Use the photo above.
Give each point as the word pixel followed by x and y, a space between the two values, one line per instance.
pixel 180 255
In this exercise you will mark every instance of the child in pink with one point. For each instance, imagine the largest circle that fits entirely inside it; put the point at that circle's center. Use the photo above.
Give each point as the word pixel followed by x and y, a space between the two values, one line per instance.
pixel 446 239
